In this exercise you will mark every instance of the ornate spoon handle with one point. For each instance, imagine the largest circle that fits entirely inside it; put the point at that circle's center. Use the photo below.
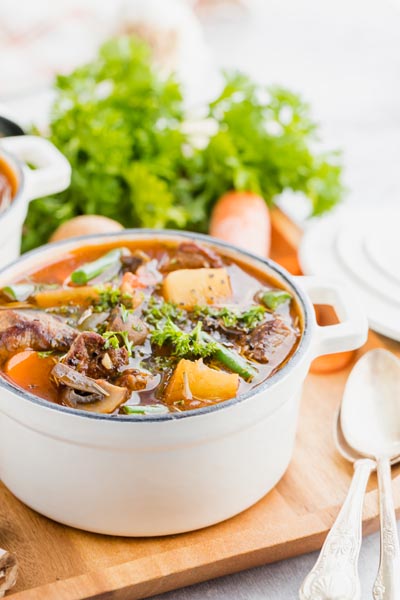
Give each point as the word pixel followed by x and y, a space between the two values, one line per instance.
pixel 335 574
pixel 8 571
pixel 387 583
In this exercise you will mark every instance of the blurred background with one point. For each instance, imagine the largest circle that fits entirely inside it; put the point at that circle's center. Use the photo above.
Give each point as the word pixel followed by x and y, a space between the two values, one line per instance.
pixel 343 56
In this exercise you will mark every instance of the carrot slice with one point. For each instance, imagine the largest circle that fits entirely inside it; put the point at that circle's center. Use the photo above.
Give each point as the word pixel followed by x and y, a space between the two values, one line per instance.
pixel 242 218
pixel 31 371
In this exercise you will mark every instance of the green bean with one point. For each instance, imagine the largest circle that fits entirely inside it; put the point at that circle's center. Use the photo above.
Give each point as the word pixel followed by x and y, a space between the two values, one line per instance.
pixel 143 409
pixel 230 359
pixel 274 298
pixel 19 291
pixel 85 273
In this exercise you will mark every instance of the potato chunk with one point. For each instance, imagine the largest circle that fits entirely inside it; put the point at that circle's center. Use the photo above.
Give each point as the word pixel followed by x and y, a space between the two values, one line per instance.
pixel 195 287
pixel 193 381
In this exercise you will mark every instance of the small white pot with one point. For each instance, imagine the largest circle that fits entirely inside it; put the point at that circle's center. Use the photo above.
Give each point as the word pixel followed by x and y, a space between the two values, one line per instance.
pixel 52 173
pixel 166 474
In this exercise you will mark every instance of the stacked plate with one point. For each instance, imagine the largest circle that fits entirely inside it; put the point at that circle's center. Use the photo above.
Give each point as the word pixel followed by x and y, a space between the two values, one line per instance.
pixel 362 249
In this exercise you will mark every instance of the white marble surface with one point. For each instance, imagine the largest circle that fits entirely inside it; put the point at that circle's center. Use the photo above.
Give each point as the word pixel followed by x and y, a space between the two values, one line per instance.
pixel 344 56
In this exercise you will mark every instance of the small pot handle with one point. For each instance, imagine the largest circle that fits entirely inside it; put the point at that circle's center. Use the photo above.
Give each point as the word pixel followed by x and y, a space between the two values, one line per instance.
pixel 52 171
pixel 352 331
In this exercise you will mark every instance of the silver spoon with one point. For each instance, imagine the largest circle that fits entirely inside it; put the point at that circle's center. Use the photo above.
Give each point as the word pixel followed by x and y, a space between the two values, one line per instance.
pixel 370 420
pixel 335 574
pixel 347 451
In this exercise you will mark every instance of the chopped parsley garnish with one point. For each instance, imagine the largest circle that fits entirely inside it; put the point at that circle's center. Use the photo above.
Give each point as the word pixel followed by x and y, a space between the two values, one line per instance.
pixel 184 344
pixel 124 313
pixel 113 338
pixel 110 297
pixel 45 353
pixel 252 317
pixel 199 344
pixel 233 317
pixel 158 310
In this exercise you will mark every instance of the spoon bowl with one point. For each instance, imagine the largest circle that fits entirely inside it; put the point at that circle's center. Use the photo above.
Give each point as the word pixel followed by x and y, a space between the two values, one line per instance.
pixel 370 412
pixel 341 444
pixel 370 421
pixel 345 449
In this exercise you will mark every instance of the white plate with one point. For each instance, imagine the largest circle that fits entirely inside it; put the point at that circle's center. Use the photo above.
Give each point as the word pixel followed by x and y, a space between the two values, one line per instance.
pixel 384 250
pixel 350 250
pixel 363 251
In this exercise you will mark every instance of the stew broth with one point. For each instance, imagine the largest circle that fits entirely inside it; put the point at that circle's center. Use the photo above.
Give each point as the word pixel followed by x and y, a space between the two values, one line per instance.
pixel 145 327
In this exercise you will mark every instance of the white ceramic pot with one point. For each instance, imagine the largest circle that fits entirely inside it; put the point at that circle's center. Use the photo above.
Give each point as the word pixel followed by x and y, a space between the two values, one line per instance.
pixel 52 173
pixel 157 475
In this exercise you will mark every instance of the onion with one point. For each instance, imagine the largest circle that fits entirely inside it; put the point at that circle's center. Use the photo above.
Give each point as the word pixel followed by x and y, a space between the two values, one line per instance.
pixel 85 225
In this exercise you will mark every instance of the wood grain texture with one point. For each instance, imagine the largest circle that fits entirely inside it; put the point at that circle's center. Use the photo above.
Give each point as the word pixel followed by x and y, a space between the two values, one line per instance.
pixel 58 562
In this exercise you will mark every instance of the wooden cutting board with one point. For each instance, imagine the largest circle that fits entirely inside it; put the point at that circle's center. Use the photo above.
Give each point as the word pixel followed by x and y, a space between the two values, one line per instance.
pixel 58 562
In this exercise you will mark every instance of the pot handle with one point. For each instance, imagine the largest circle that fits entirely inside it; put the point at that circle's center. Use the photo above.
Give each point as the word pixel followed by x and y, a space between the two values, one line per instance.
pixel 352 331
pixel 51 172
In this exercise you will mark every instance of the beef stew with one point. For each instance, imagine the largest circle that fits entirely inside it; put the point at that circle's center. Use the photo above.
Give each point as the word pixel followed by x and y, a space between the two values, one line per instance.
pixel 145 327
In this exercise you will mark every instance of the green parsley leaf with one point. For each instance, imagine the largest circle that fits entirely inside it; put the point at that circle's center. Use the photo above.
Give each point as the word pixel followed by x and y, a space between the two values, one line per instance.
pixel 109 297
pixel 184 345
pixel 234 317
pixel 113 338
pixel 45 353
pixel 124 313
pixel 158 310
pixel 121 125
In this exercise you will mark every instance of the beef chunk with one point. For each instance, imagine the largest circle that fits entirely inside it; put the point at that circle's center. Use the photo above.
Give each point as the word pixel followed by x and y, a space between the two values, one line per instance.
pixel 130 263
pixel 89 356
pixel 270 343
pixel 191 255
pixel 132 324
pixel 33 329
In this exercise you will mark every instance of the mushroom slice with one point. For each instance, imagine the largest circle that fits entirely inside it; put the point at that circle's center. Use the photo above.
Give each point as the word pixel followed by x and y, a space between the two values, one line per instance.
pixel 116 396
pixel 75 398
pixel 65 375
pixel 84 393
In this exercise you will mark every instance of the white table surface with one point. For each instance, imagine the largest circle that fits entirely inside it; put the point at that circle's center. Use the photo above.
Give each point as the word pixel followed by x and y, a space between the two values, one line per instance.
pixel 344 57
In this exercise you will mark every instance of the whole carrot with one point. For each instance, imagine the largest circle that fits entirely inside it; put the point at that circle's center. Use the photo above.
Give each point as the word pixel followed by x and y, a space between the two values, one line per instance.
pixel 242 218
